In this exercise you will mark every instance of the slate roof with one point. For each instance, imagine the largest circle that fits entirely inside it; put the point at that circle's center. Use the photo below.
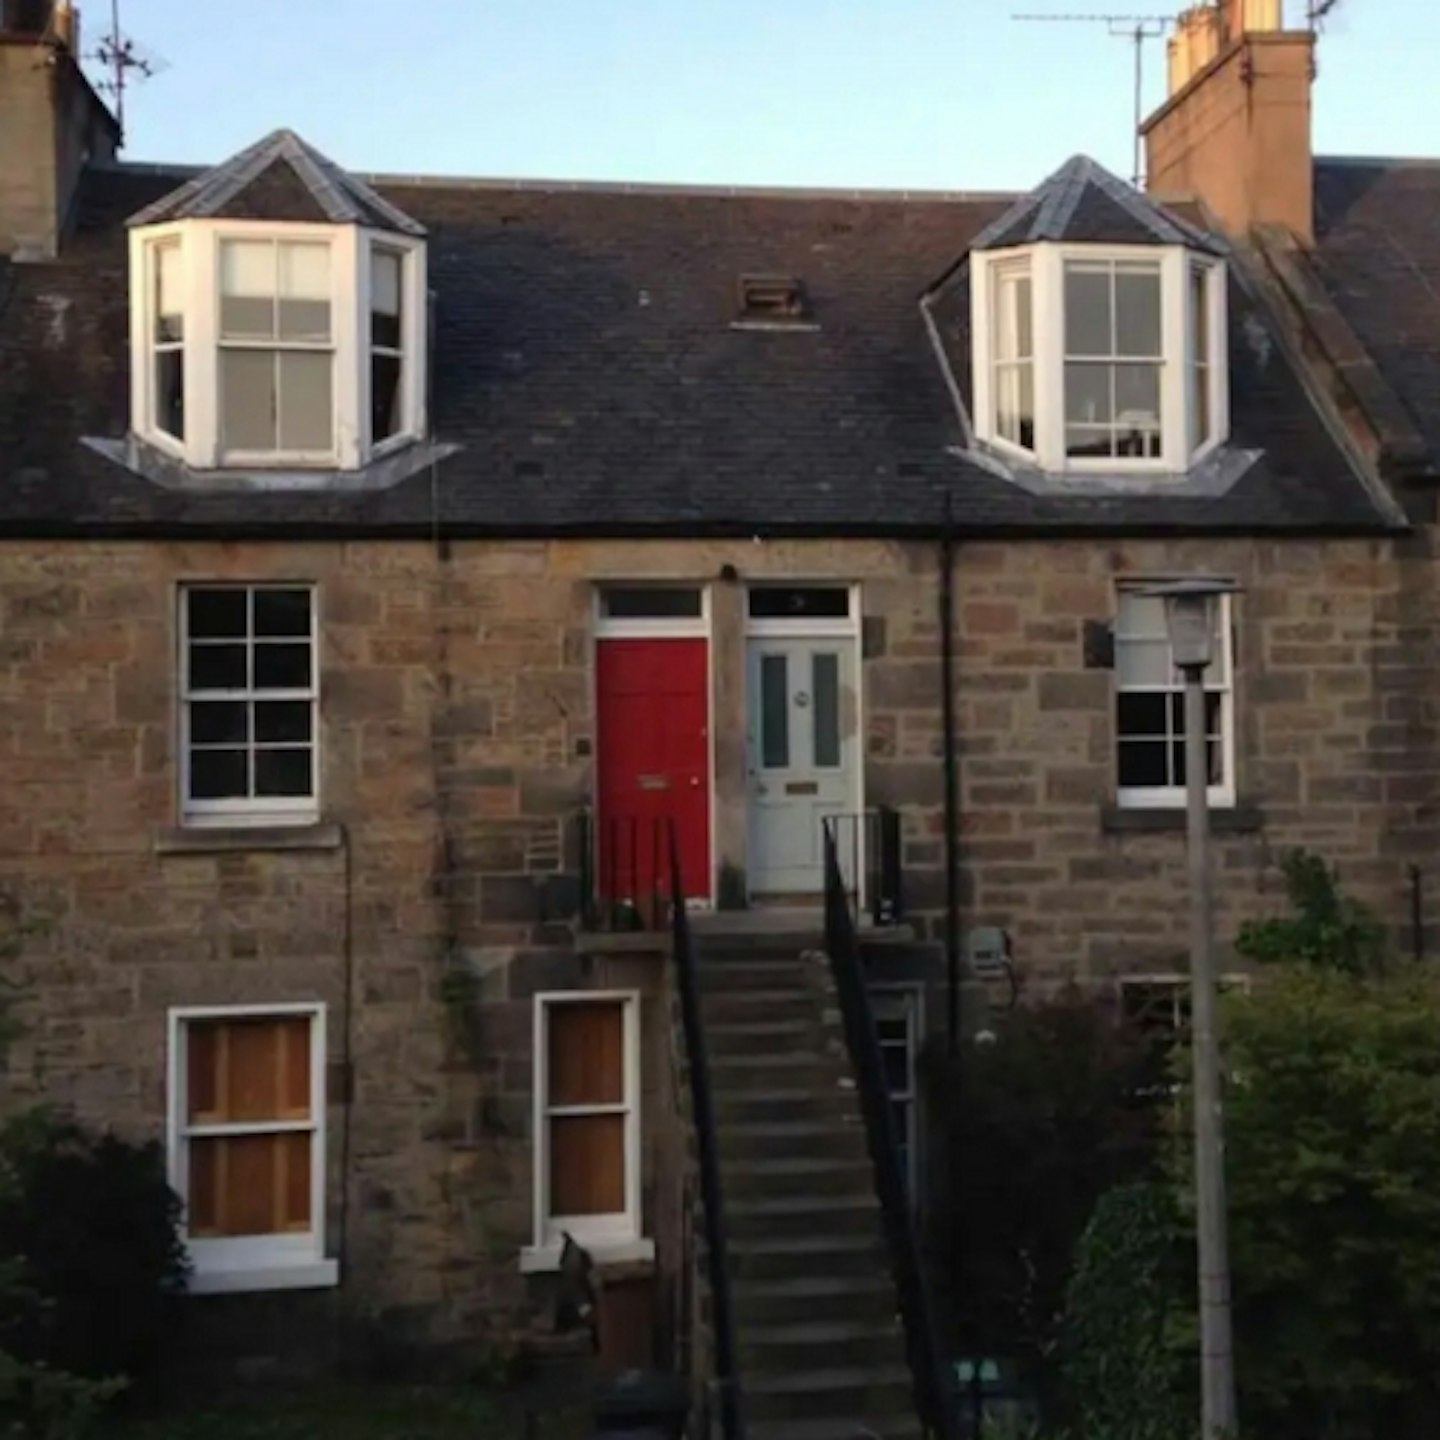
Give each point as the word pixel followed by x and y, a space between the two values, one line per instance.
pixel 279 177
pixel 1378 252
pixel 586 364
pixel 1083 203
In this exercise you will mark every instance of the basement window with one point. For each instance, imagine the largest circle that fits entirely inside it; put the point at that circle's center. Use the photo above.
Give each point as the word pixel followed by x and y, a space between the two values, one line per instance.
pixel 765 300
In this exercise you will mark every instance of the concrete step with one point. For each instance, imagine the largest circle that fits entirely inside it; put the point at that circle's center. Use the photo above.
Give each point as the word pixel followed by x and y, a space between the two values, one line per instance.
pixel 817 1344
pixel 869 1297
pixel 841 1138
pixel 789 1257
pixel 800 1068
pixel 719 975
pixel 856 1391
pixel 795 1176
pixel 739 1006
pixel 837 1427
pixel 853 1213
pixel 763 1037
pixel 817 1103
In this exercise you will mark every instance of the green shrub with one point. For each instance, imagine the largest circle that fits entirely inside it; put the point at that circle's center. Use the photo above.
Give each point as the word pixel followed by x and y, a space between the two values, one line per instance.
pixel 94 1225
pixel 1124 1378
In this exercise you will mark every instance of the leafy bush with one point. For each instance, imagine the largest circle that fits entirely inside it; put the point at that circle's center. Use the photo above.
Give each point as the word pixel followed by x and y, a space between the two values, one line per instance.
pixel 1123 1376
pixel 1328 930
pixel 1333 1161
pixel 1035 1127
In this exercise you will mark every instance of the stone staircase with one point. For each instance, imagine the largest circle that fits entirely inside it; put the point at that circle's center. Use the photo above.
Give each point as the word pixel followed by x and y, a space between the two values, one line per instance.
pixel 820 1346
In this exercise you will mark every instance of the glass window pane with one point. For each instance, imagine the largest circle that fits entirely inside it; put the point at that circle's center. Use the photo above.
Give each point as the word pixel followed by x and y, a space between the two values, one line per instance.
pixel 650 602
pixel 281 720
pixel 1088 442
pixel 247 289
pixel 1141 615
pixel 896 1062
pixel 1087 394
pixel 1014 329
pixel 219 722
pixel 1199 315
pixel 216 614
pixel 1015 404
pixel 283 772
pixel 385 299
pixel 247 399
pixel 249 1185
pixel 587 1165
pixel 769 602
pixel 1137 396
pixel 282 667
pixel 304 308
pixel 170 392
pixel 1143 764
pixel 306 403
pixel 1143 662
pixel 1199 406
pixel 1137 310
pixel 774 712
pixel 218 775
pixel 384 397
pixel 218 667
pixel 169 297
pixel 1087 310
pixel 282 612
pixel 825 682
pixel 1141 715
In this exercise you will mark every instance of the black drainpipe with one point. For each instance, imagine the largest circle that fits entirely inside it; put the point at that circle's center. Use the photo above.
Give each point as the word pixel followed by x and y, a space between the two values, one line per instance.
pixel 952 781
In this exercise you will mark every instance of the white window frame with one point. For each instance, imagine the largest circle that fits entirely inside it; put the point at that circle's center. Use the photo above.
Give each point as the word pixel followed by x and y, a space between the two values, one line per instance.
pixel 249 810
pixel 1045 264
pixel 251 1262
pixel 608 1237
pixel 1170 797
pixel 350 247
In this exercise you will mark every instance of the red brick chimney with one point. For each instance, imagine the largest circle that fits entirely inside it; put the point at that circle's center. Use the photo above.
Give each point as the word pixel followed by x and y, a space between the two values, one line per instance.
pixel 1235 132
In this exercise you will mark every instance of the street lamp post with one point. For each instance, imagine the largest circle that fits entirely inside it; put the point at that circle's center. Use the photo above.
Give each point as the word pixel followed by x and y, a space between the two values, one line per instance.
pixel 1192 618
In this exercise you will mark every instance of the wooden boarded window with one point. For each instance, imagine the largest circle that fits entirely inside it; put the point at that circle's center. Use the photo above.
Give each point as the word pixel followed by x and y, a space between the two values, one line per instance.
pixel 589 1110
pixel 250 1125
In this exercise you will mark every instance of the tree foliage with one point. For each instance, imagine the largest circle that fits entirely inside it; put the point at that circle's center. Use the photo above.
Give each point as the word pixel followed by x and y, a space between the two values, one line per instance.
pixel 1327 929
pixel 1034 1127
pixel 1333 1161
pixel 1124 1378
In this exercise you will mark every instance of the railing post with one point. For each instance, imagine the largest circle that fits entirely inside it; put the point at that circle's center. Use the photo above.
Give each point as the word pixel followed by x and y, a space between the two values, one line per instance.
pixel 702 1106
pixel 922 1335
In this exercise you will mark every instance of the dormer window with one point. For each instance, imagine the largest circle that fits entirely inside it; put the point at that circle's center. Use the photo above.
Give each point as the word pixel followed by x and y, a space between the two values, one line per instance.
pixel 279 343
pixel 276 346
pixel 1097 359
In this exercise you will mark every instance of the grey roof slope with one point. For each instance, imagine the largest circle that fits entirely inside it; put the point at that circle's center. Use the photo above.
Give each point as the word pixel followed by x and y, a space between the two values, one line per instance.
pixel 1083 203
pixel 1378 252
pixel 223 191
pixel 586 363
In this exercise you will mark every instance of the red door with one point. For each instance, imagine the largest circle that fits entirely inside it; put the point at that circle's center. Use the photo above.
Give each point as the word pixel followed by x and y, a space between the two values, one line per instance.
pixel 653 718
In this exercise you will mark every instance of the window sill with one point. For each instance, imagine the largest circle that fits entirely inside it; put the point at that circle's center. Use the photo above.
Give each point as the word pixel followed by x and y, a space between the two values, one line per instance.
pixel 545 1259
pixel 1241 819
pixel 318 1275
pixel 224 839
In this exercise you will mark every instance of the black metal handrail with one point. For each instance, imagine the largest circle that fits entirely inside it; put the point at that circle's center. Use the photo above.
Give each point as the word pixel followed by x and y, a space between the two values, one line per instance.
pixel 702 1109
pixel 624 871
pixel 870 841
pixel 922 1335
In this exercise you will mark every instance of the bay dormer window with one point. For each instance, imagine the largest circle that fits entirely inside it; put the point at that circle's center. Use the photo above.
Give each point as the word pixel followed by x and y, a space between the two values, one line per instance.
pixel 1099 359
pixel 276 345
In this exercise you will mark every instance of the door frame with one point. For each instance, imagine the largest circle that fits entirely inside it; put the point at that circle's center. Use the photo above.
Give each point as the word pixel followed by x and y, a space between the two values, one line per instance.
pixel 679 627
pixel 836 627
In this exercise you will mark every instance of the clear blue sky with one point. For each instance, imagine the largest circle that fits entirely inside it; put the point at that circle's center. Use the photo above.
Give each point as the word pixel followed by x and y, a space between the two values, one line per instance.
pixel 947 94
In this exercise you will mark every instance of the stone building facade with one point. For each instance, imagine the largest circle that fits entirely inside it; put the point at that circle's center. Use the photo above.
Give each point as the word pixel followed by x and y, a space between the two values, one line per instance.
pixel 605 415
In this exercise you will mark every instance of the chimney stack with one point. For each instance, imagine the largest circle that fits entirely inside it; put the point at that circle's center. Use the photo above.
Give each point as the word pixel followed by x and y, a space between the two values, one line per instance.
pixel 52 124
pixel 1235 131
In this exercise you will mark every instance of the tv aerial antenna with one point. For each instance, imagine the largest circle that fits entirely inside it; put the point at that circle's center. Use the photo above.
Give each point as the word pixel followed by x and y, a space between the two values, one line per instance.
pixel 1137 29
pixel 122 57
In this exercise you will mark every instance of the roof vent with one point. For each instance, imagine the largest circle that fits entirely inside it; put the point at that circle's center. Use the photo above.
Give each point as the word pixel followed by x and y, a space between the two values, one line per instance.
pixel 772 299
